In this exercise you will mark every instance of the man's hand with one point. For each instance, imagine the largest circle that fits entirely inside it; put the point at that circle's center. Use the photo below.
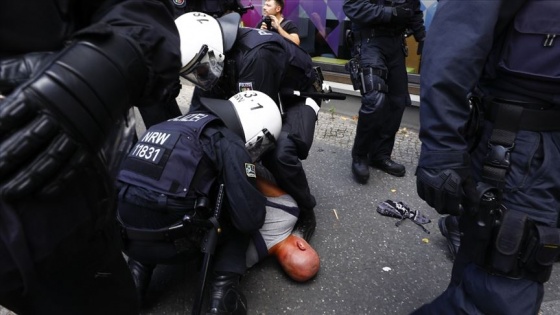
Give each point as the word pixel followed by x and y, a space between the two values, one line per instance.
pixel 402 14
pixel 420 48
pixel 50 124
pixel 448 190
pixel 36 153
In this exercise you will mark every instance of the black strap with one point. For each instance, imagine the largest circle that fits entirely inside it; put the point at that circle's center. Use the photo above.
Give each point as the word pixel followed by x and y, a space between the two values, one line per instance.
pixel 501 143
pixel 532 119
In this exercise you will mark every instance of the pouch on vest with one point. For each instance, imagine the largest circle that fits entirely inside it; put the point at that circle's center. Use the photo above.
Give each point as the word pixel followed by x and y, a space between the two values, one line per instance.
pixel 504 258
pixel 542 251
pixel 532 46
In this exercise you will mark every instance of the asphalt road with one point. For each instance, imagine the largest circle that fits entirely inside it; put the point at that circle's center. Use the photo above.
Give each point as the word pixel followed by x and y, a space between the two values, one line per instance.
pixel 368 265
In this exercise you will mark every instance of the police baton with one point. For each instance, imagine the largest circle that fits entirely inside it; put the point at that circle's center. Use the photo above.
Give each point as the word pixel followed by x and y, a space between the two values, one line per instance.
pixel 321 95
pixel 208 247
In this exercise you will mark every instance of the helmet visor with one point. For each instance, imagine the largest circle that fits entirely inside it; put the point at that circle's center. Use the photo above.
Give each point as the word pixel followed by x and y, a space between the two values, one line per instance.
pixel 205 68
pixel 260 144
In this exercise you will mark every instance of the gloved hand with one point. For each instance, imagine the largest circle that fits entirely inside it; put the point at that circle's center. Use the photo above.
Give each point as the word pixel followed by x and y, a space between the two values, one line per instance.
pixel 50 124
pixel 420 48
pixel 448 191
pixel 401 14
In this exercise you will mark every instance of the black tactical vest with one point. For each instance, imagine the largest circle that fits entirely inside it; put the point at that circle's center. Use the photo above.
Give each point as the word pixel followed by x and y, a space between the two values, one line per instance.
pixel 249 38
pixel 530 55
pixel 167 155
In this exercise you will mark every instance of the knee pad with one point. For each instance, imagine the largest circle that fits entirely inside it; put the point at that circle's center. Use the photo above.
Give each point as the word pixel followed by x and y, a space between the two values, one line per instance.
pixel 374 80
pixel 372 102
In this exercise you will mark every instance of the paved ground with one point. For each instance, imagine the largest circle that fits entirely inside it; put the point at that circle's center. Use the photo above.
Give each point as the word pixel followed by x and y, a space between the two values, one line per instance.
pixel 368 265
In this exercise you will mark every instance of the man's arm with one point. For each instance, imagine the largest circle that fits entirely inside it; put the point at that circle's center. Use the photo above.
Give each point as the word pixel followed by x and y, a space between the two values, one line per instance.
pixel 290 32
pixel 128 55
pixel 363 12
pixel 246 203
pixel 151 25
pixel 451 71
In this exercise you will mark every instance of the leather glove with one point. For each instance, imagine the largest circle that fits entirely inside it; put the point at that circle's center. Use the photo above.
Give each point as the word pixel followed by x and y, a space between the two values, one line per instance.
pixel 17 70
pixel 448 191
pixel 401 14
pixel 420 48
pixel 53 122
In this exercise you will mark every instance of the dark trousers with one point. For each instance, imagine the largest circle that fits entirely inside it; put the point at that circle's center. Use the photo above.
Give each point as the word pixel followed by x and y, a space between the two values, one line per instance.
pixel 379 123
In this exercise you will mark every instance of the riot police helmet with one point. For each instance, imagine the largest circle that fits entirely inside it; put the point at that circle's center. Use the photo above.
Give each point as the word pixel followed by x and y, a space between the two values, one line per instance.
pixel 252 115
pixel 204 42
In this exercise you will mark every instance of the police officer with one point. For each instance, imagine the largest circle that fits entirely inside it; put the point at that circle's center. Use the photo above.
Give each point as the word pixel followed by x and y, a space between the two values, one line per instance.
pixel 176 166
pixel 69 72
pixel 221 59
pixel 503 180
pixel 378 70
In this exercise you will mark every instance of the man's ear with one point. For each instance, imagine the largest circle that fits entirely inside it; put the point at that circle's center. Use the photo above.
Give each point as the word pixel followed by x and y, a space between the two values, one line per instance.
pixel 301 245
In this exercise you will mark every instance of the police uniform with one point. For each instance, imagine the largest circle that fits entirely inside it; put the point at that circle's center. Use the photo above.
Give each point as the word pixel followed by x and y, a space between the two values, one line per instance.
pixel 264 61
pixel 518 95
pixel 59 249
pixel 378 29
pixel 173 164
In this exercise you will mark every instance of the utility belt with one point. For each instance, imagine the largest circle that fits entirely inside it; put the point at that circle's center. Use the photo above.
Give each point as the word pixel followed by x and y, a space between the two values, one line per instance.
pixel 184 234
pixel 518 247
pixel 532 116
pixel 510 116
pixel 378 32
pixel 508 242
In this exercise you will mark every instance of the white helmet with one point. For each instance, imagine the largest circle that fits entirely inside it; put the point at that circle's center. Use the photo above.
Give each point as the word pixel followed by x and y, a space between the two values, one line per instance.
pixel 253 115
pixel 203 46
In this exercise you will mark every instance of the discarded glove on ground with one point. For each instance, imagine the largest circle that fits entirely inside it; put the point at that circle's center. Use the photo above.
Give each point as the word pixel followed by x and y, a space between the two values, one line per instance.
pixel 399 210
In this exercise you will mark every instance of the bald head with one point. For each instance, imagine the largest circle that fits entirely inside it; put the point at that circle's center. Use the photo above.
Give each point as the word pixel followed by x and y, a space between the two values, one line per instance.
pixel 298 259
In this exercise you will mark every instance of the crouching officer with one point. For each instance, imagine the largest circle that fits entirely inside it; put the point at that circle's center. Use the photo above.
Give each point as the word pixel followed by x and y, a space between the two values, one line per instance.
pixel 503 183
pixel 378 70
pixel 221 59
pixel 169 181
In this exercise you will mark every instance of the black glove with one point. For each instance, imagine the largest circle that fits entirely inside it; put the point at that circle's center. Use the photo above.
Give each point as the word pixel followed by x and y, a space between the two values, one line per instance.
pixel 15 71
pixel 420 48
pixel 447 191
pixel 50 124
pixel 401 14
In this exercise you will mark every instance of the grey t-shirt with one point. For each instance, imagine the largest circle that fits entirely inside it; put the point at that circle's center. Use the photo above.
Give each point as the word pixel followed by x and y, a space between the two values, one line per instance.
pixel 281 216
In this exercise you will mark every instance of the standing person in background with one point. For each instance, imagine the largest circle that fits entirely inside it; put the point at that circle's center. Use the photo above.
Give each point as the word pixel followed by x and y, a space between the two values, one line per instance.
pixel 69 72
pixel 500 181
pixel 378 70
pixel 273 20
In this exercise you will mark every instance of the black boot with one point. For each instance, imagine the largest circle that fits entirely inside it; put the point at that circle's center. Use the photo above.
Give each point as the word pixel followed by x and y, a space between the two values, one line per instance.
pixel 389 166
pixel 360 169
pixel 306 223
pixel 142 274
pixel 226 298
pixel 449 228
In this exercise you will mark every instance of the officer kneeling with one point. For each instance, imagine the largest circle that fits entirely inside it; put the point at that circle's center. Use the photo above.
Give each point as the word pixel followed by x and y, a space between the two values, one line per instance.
pixel 169 184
